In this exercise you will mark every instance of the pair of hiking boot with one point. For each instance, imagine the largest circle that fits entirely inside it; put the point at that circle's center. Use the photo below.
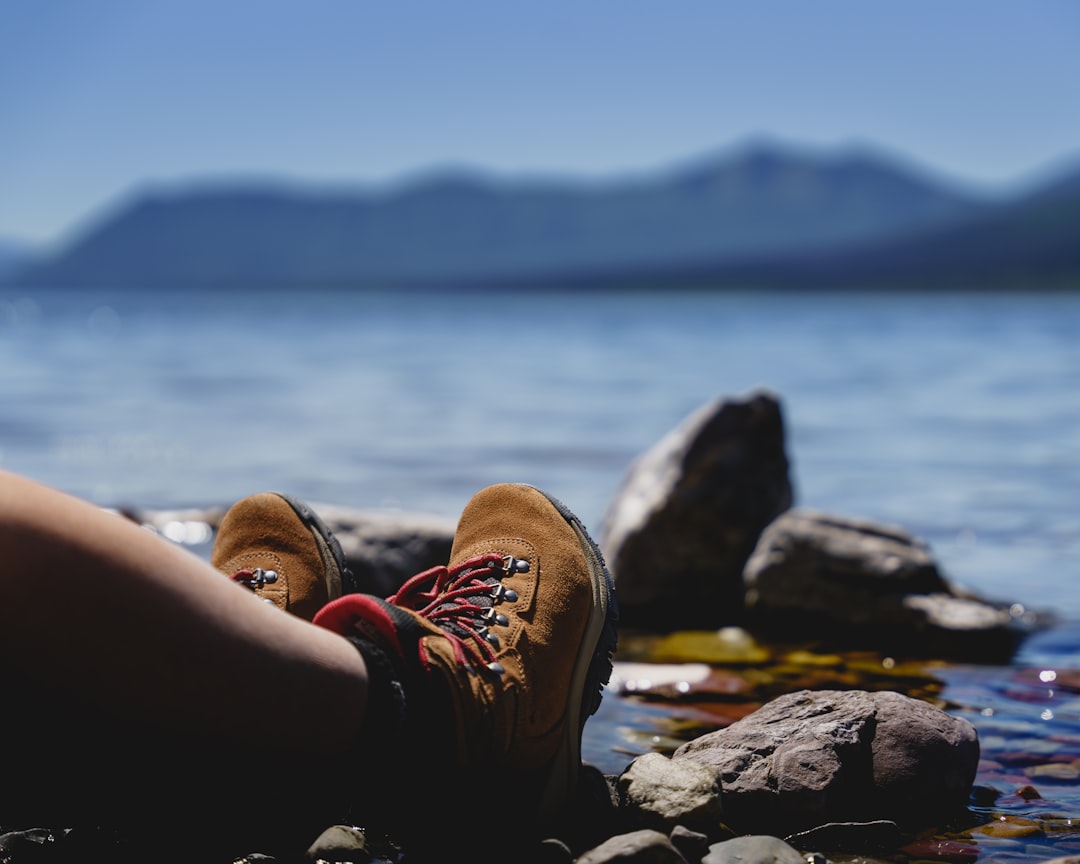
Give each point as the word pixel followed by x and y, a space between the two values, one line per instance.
pixel 487 667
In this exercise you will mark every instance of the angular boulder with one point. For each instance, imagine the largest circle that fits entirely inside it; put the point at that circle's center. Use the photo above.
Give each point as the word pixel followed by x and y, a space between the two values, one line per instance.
pixel 690 511
pixel 814 757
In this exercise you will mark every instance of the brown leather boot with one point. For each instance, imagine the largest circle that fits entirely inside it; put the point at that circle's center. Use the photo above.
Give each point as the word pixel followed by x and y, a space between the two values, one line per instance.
pixel 501 656
pixel 278 547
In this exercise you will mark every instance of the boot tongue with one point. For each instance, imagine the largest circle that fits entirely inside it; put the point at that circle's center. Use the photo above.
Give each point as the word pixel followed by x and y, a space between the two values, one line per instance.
pixel 462 616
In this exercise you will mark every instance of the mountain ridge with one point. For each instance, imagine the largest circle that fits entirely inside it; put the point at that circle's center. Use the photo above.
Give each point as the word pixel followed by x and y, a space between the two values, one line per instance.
pixel 1030 242
pixel 455 227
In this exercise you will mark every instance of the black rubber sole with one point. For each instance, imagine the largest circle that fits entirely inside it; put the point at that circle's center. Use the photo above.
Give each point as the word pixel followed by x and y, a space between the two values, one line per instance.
pixel 601 666
pixel 317 526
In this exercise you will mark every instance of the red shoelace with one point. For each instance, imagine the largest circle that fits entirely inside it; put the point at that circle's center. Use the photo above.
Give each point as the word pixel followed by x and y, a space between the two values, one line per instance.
pixel 461 601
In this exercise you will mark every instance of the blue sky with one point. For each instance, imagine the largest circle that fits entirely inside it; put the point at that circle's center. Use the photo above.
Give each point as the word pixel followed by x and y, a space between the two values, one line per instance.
pixel 98 99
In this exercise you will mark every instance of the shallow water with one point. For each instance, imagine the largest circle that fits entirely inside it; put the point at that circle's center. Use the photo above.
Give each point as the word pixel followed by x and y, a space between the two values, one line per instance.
pixel 956 415
pixel 1026 801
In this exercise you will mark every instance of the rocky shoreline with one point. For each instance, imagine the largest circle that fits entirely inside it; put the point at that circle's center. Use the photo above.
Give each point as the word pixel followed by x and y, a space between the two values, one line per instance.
pixel 704 536
pixel 705 532
pixel 810 772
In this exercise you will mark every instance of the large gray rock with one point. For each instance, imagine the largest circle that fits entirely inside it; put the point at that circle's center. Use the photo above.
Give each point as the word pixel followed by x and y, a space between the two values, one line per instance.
pixel 854 583
pixel 813 757
pixel 690 511
pixel 829 556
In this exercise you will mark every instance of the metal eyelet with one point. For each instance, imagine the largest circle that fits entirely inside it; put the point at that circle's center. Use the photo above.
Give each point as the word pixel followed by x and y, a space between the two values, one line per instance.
pixel 257 578
pixel 501 594
pixel 510 564
pixel 496 618
pixel 264 577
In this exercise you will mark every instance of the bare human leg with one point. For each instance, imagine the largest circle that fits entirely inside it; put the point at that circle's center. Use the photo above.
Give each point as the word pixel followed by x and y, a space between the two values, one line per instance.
pixel 143 685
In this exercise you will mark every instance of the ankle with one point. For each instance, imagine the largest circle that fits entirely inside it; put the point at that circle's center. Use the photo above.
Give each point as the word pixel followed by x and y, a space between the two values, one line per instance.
pixel 386 710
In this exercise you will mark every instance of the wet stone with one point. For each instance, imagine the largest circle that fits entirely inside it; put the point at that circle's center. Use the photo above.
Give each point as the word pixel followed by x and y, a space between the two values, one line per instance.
pixel 1055 771
pixel 943 850
pixel 984 796
pixel 727 645
pixel 1010 827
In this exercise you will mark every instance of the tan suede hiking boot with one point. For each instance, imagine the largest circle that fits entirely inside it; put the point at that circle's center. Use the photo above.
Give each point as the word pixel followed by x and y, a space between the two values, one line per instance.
pixel 501 655
pixel 279 548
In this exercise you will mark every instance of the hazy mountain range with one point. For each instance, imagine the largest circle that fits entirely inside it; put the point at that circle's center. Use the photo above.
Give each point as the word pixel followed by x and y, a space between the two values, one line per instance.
pixel 761 216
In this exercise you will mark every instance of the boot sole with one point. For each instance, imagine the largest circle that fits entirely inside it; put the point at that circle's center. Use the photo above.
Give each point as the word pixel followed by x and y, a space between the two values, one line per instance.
pixel 339 576
pixel 592 670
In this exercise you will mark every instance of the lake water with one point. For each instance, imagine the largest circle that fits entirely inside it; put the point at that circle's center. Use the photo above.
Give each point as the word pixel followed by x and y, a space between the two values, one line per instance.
pixel 956 416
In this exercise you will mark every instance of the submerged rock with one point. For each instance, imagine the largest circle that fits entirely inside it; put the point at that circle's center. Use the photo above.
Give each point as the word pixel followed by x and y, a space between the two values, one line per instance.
pixel 690 511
